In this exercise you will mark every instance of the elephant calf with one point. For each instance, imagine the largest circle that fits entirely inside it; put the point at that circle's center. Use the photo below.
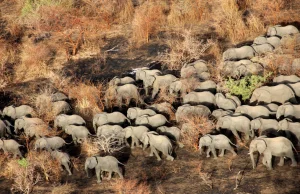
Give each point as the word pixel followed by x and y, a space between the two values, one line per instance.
pixel 136 134
pixel 263 124
pixel 172 133
pixel 63 159
pixel 133 113
pixel 50 143
pixel 153 121
pixel 11 146
pixel 64 120
pixel 214 142
pixel 197 98
pixel 79 133
pixel 107 163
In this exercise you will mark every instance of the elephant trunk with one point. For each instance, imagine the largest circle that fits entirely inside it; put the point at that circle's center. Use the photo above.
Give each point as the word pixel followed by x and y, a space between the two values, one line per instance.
pixel 252 160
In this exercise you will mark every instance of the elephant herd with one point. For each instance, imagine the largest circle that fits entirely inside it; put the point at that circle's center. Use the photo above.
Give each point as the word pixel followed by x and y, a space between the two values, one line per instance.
pixel 274 109
pixel 237 62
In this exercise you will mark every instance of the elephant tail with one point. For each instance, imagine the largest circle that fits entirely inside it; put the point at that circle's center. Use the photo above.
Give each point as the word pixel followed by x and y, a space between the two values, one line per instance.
pixel 121 163
pixel 294 148
pixel 69 143
pixel 293 100
pixel 128 120
pixel 233 144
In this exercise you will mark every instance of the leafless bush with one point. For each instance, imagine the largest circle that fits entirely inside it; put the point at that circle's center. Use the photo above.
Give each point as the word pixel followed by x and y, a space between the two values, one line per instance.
pixel 197 126
pixel 131 186
pixel 184 49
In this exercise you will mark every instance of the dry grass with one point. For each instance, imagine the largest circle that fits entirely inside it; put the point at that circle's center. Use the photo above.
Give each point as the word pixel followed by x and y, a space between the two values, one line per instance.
pixel 187 13
pixel 206 177
pixel 148 19
pixel 230 23
pixel 165 96
pixel 184 49
pixel 88 98
pixel 131 186
pixel 64 189
pixel 198 126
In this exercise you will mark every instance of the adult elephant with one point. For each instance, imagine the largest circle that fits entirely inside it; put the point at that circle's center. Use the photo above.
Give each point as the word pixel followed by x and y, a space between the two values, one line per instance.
pixel 136 134
pixel 186 111
pixel 274 41
pixel 218 113
pixel 63 159
pixel 152 121
pixel 278 94
pixel 237 69
pixel 284 79
pixel 287 125
pixel 225 103
pixel 278 146
pixel 160 82
pixel 197 98
pixel 196 69
pixel 25 122
pixel 207 85
pixel 288 111
pixel 295 87
pixel 214 142
pixel 282 30
pixel 178 86
pixel 133 113
pixel 254 111
pixel 143 74
pixel 106 163
pixel 61 107
pixel 11 146
pixel 64 120
pixel 263 124
pixel 49 143
pixel 173 133
pixel 116 81
pixel 262 48
pixel 126 92
pixel 17 112
pixel 234 54
pixel 235 124
pixel 103 118
pixel 158 142
pixel 78 133
pixel 4 128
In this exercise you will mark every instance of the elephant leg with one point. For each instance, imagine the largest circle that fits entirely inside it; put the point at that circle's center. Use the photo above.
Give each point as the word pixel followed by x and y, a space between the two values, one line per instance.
pixel 109 175
pixel 269 162
pixel 222 153
pixel 232 151
pixel 208 152
pixel 156 154
pixel 98 174
pixel 74 139
pixel 213 150
pixel 146 90
pixel 236 134
pixel 151 151
pixel 66 165
pixel 291 156
pixel 119 173
pixel 264 161
pixel 281 162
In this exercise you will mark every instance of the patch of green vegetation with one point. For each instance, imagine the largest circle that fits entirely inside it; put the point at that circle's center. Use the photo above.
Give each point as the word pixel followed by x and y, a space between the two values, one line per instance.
pixel 31 6
pixel 23 162
pixel 245 86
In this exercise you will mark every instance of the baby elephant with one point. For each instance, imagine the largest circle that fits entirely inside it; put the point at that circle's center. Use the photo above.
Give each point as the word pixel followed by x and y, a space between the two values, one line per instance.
pixel 79 133
pixel 11 146
pixel 51 143
pixel 107 163
pixel 63 159
pixel 214 142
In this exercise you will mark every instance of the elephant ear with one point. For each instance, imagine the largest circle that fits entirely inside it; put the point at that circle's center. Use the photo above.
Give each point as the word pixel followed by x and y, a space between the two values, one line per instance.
pixel 151 79
pixel 261 146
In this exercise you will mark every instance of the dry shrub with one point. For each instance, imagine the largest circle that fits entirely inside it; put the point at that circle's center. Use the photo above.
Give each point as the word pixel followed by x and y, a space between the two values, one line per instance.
pixel 206 177
pixel 43 104
pixel 59 80
pixel 35 60
pixel 184 49
pixel 88 98
pixel 89 148
pixel 197 126
pixel 27 172
pixel 230 23
pixel 64 189
pixel 186 13
pixel 148 19
pixel 131 186
pixel 165 96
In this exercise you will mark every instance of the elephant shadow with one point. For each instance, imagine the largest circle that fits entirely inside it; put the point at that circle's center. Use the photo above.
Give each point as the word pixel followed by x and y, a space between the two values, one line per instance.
pixel 123 156
pixel 228 133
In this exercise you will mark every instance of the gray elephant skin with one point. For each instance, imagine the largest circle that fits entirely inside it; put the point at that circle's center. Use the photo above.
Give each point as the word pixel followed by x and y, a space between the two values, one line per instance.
pixel 278 146
pixel 63 159
pixel 274 41
pixel 282 30
pixel 262 48
pixel 115 118
pixel 17 112
pixel 78 133
pixel 268 94
pixel 153 121
pixel 125 92
pixel 160 82
pixel 254 111
pixel 5 128
pixel 196 69
pixel 263 124
pixel 121 81
pixel 233 54
pixel 61 107
pixel 235 124
pixel 64 120
pixel 25 122
pixel 218 113
pixel 288 111
pixel 200 98
pixel 207 85
pixel 173 133
pixel 136 134
pixel 237 69
pixel 49 143
pixel 133 113
pixel 11 146
pixel 143 74
pixel 158 142
pixel 107 163
pixel 214 142
pixel 225 103
pixel 177 87
pixel 185 111
pixel 283 79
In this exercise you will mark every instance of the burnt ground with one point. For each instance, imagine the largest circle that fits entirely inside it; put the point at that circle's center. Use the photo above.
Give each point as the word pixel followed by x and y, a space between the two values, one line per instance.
pixel 182 175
